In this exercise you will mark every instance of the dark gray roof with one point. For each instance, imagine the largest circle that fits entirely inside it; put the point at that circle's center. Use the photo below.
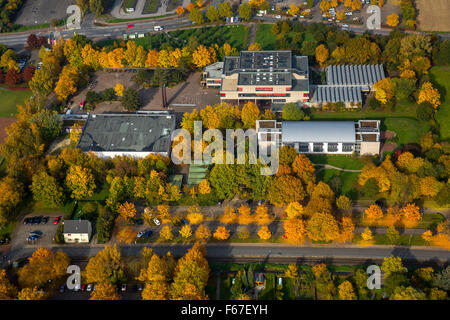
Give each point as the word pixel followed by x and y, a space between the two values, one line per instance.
pixel 265 59
pixel 127 133
pixel 77 226
pixel 264 78
pixel 318 131
pixel 300 85
pixel 326 93
pixel 360 75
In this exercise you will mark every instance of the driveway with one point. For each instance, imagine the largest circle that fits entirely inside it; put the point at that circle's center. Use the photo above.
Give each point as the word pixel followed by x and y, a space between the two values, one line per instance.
pixel 117 11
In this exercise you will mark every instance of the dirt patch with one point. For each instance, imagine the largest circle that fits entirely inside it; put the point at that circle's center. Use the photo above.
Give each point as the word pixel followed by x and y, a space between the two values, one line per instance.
pixel 386 135
pixel 5 122
pixel 388 147
pixel 433 15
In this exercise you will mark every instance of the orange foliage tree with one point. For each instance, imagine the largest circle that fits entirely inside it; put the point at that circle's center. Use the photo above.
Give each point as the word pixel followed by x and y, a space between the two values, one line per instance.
pixel 127 210
pixel 229 216
pixel 262 216
pixel 245 217
pixel 294 230
pixel 221 233
pixel 373 214
pixel 202 233
pixel 264 233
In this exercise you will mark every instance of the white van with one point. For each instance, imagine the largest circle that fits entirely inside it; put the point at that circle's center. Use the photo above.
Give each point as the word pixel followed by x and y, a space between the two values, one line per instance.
pixel 158 28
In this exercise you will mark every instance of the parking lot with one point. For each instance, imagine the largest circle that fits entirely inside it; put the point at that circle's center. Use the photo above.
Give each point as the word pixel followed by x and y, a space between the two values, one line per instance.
pixel 22 231
pixel 42 11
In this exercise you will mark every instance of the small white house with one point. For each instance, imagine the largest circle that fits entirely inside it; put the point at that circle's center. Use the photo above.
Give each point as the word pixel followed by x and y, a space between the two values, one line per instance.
pixel 77 231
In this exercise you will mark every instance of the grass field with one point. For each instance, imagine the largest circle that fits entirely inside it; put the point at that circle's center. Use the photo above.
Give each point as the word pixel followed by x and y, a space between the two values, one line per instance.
pixel 441 78
pixel 265 37
pixel 151 6
pixel 340 161
pixel 10 99
pixel 408 130
pixel 347 181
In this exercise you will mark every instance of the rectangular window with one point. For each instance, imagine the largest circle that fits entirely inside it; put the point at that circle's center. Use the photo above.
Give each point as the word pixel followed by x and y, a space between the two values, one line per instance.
pixel 222 94
pixel 303 147
pixel 263 89
pixel 332 147
pixel 347 147
pixel 239 89
pixel 305 94
pixel 318 147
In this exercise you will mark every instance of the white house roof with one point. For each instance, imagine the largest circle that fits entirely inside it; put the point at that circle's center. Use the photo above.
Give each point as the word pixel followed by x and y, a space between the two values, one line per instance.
pixel 77 226
pixel 318 131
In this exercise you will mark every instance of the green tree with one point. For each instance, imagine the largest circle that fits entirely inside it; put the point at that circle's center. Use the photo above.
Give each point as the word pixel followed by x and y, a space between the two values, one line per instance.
pixel 292 112
pixel 245 11
pixel 212 14
pixel 45 188
pixel 196 16
pixel 131 100
pixel 225 9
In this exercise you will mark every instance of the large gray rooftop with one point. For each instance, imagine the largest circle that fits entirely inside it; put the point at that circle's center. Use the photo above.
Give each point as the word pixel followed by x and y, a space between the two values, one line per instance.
pixel 127 133
pixel 359 75
pixel 318 131
pixel 328 93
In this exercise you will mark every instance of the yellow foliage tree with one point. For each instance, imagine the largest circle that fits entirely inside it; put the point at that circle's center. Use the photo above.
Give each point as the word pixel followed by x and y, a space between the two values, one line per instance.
pixel 367 235
pixel 411 214
pixel 254 47
pixel 222 233
pixel 293 9
pixel 373 214
pixel 105 291
pixel 322 226
pixel 31 294
pixel 427 236
pixel 322 54
pixel 158 290
pixel 80 182
pixel 126 235
pixel 346 291
pixel 392 20
pixel 264 233
pixel 429 94
pixel 119 89
pixel 204 187
pixel 250 113
pixel 245 216
pixel 166 233
pixel 294 230
pixel 262 216
pixel 194 215
pixel 202 233
pixel 127 210
pixel 383 90
pixel 229 216
pixel 186 231
pixel 294 210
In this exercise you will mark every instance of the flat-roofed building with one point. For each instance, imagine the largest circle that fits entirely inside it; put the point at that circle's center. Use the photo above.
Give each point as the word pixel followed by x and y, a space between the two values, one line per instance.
pixel 264 77
pixel 329 137
pixel 136 135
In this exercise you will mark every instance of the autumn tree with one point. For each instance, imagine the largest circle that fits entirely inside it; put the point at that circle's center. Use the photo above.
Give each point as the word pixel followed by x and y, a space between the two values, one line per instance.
pixel 343 203
pixel 157 290
pixel 186 231
pixel 255 47
pixel 304 168
pixel 7 290
pixel 264 233
pixel 44 266
pixel 294 210
pixel 225 9
pixel 411 213
pixel 194 215
pixel 294 230
pixel 429 94
pixel 212 14
pixel 204 187
pixel 203 56
pixel 166 233
pixel 191 275
pixel 391 265
pixel 221 233
pixel 285 189
pixel 119 89
pixel 127 210
pixel 229 216
pixel 245 12
pixel 46 188
pixel 262 216
pixel 105 266
pixel 392 20
pixel 105 291
pixel 293 9
pixel 245 216
pixel 322 226
pixel 179 10
pixel 346 291
pixel 126 235
pixel 202 233
pixel 346 229
pixel 196 16
pixel 250 113
pixel 31 294
pixel 373 214
pixel 322 54
pixel 367 234
pixel 67 83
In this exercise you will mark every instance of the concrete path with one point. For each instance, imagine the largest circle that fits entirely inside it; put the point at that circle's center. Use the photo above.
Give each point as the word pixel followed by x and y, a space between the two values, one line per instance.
pixel 251 34
pixel 327 166
pixel 117 11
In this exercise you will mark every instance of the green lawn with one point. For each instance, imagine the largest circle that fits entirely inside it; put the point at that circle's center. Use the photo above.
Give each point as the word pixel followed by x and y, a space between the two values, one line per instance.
pixel 408 130
pixel 405 240
pixel 151 6
pixel 346 180
pixel 441 78
pixel 10 99
pixel 265 37
pixel 173 4
pixel 129 4
pixel 340 161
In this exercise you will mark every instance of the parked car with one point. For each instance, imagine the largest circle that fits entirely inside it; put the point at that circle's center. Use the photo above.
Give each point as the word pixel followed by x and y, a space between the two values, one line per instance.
pixel 36 233
pixel 130 26
pixel 28 220
pixel 76 288
pixel 349 13
pixel 156 221
pixel 83 287
pixel 139 222
pixel 123 287
pixel 61 289
pixel 278 17
pixel 82 103
pixel 57 219
pixel 89 287
pixel 158 28
pixel 95 287
pixel 184 221
pixel 44 220
pixel 32 238
pixel 37 220
pixel 140 234
pixel 148 233
pixel 140 287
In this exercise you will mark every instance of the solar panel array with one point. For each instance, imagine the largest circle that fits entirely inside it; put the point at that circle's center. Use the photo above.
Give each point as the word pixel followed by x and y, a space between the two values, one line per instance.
pixel 362 75
pixel 325 93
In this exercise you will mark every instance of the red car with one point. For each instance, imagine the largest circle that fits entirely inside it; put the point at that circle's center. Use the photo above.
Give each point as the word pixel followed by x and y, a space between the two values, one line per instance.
pixel 57 219
pixel 82 103
pixel 130 26
pixel 83 287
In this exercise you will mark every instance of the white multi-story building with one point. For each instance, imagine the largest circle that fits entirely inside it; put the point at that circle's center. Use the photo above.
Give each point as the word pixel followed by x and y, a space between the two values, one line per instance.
pixel 321 137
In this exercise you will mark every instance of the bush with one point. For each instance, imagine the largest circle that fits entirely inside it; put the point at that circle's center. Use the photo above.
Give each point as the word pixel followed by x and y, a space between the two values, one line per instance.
pixel 88 210
pixel 425 112
pixel 92 98
pixel 108 94
pixel 130 100
pixel 374 104
pixel 292 112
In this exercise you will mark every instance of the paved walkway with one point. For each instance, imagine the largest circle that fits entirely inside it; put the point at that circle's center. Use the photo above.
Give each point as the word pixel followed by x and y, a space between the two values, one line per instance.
pixel 327 166
pixel 117 11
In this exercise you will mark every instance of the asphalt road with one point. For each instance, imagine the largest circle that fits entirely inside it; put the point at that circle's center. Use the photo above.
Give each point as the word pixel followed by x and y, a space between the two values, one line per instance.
pixel 273 252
